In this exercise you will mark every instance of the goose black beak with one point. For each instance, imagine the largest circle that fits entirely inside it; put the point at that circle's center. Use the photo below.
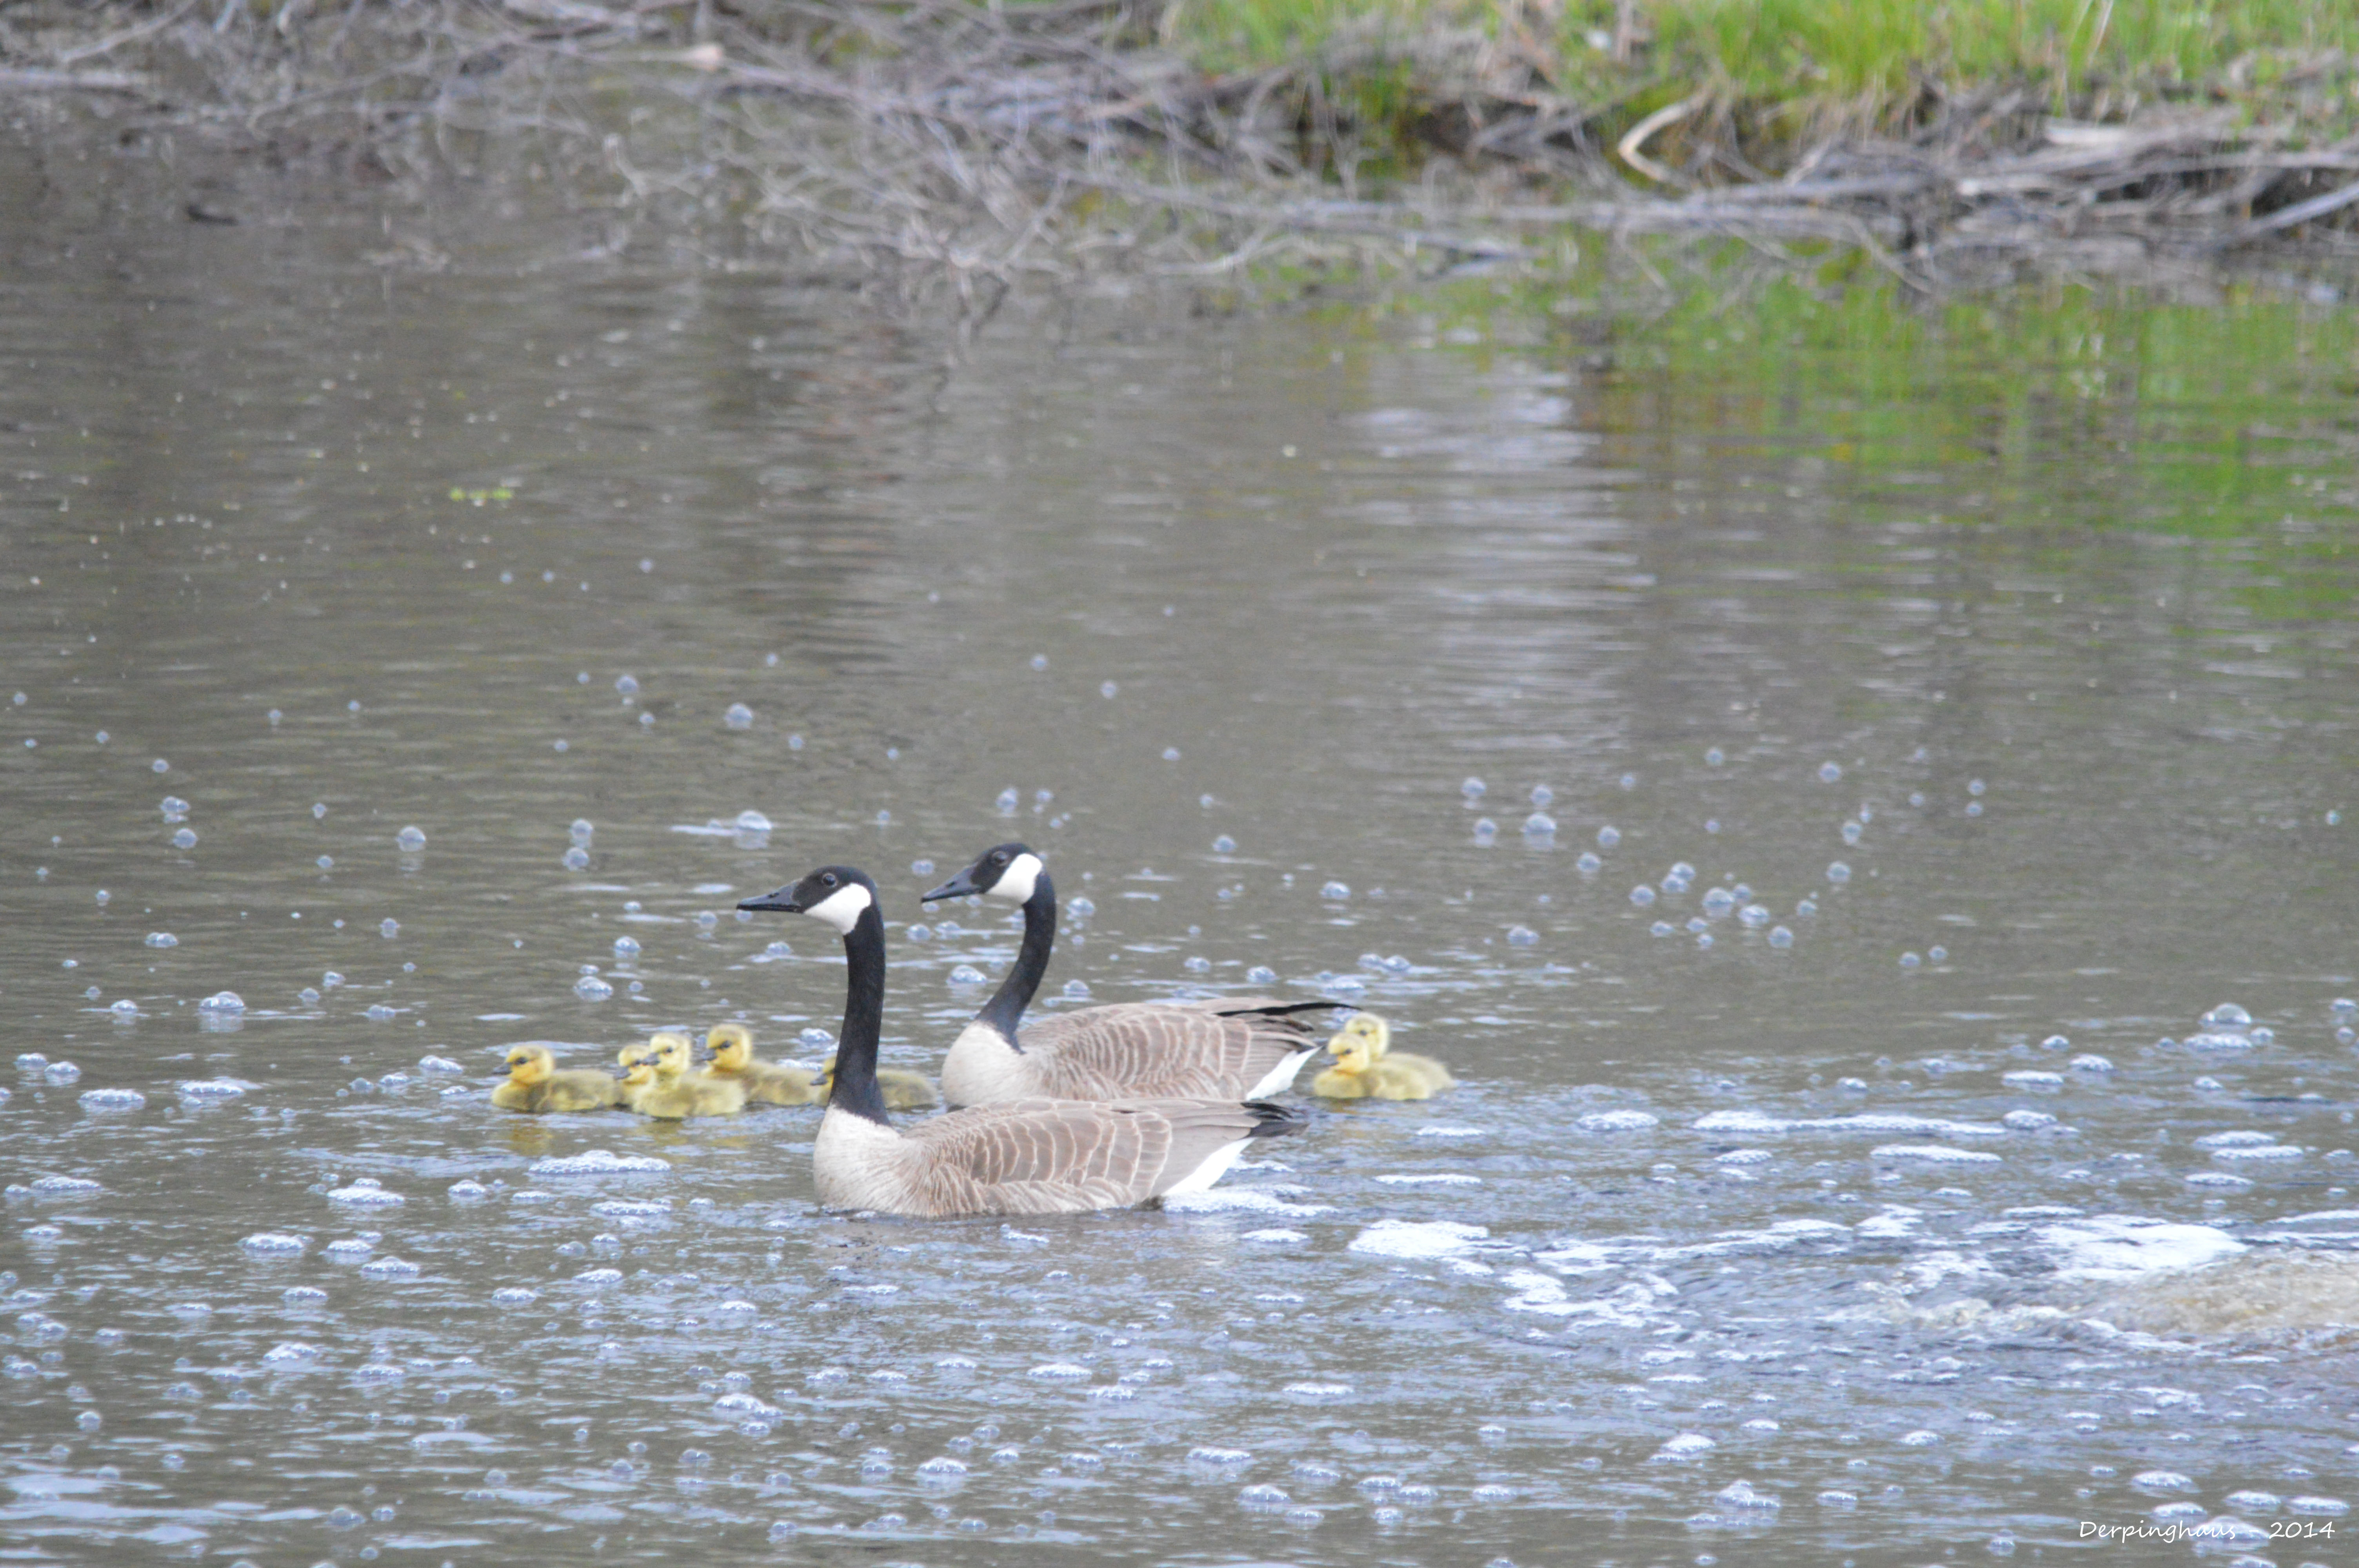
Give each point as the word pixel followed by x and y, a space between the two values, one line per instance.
pixel 782 902
pixel 958 886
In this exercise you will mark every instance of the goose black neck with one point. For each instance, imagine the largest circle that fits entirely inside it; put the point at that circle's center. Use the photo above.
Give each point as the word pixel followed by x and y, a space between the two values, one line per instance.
pixel 856 1090
pixel 1005 1009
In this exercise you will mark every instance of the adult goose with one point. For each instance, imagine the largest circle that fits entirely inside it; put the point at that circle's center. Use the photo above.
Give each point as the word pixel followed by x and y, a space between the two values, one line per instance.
pixel 1221 1048
pixel 1035 1156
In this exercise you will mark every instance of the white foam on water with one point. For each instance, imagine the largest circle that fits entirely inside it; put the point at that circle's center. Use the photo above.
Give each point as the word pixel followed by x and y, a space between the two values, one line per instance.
pixel 1685 1447
pixel 1440 1131
pixel 65 1187
pixel 1219 1200
pixel 366 1192
pixel 2115 1246
pixel 600 1162
pixel 210 1091
pixel 1750 1123
pixel 273 1244
pixel 1430 1179
pixel 1419 1238
pixel 1617 1121
pixel 1936 1153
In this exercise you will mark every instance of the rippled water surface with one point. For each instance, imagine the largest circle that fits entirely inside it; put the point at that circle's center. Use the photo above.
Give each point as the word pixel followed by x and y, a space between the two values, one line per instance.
pixel 1820 1203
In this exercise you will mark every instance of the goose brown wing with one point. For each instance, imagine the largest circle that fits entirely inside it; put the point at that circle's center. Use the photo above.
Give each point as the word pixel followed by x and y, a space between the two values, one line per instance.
pixel 1042 1156
pixel 1133 1050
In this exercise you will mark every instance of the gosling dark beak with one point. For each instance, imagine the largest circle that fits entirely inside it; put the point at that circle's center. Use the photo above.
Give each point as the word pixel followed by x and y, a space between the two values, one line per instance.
pixel 782 902
pixel 958 886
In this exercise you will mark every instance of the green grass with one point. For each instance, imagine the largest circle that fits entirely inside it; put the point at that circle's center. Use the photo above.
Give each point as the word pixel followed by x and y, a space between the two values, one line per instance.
pixel 1805 61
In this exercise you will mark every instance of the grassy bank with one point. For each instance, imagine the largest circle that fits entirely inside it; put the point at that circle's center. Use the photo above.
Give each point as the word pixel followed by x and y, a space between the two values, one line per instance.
pixel 1768 79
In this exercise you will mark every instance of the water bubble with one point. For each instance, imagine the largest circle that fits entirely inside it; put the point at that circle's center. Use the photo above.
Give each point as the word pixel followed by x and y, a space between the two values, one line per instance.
pixel 1539 824
pixel 1473 789
pixel 1608 836
pixel 967 975
pixel 1662 929
pixel 1642 895
pixel 1542 794
pixel 1261 975
pixel 325 864
pixel 1485 830
pixel 1779 937
pixel 388 928
pixel 222 1001
pixel 161 765
pixel 1753 916
pixel 1973 808
pixel 1334 893
pixel 1975 787
pixel 97 1100
pixel 1936 954
pixel 2227 1015
pixel 186 838
pixel 1837 873
pixel 1713 758
pixel 576 859
pixel 589 988
pixel 1224 844
pixel 125 1011
pixel 272 1243
pixel 162 939
pixel 627 947
pixel 411 839
pixel 581 831
pixel 1522 936
pixel 1196 965
pixel 738 716
pixel 174 808
pixel 1108 690
pixel 1851 832
pixel 1719 901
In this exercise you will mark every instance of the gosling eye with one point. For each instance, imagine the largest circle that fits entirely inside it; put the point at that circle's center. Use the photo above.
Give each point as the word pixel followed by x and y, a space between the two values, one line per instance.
pixel 999 856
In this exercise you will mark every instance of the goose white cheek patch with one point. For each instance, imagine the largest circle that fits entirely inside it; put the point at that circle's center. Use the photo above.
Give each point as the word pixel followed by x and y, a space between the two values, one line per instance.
pixel 841 908
pixel 1015 882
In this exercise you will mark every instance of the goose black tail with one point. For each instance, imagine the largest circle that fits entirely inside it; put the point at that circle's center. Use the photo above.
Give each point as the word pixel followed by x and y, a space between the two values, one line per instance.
pixel 1272 1119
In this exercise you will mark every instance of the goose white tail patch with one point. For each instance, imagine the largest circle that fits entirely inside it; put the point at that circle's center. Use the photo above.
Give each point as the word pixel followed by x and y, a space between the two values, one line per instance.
pixel 1282 1076
pixel 1016 883
pixel 1216 1165
pixel 842 908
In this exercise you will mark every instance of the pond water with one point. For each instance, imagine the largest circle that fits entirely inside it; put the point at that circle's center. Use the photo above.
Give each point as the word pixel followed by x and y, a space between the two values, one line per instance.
pixel 1895 733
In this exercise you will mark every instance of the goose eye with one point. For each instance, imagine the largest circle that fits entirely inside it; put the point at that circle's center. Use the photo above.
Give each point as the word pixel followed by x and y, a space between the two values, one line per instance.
pixel 828 880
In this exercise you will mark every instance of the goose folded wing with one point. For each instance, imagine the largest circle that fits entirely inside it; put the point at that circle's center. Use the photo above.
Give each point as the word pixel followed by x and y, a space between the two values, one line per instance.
pixel 1049 1156
pixel 1131 1049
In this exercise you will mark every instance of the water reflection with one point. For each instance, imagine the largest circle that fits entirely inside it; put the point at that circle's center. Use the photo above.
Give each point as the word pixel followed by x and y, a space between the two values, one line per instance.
pixel 1719 1240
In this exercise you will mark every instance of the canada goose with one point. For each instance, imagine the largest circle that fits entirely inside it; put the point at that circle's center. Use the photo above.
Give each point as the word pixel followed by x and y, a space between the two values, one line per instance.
pixel 1021 1157
pixel 902 1089
pixel 678 1093
pixel 1225 1048
pixel 535 1083
pixel 771 1083
pixel 1367 1067
pixel 638 1063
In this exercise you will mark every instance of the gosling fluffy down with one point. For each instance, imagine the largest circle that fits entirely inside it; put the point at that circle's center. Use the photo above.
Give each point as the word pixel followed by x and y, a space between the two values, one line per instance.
pixel 678 1093
pixel 770 1083
pixel 1367 1068
pixel 902 1089
pixel 536 1084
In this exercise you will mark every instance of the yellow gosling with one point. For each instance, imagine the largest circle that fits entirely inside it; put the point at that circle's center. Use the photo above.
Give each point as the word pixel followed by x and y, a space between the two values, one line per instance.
pixel 771 1083
pixel 535 1085
pixel 678 1093
pixel 1367 1067
pixel 638 1063
pixel 902 1089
